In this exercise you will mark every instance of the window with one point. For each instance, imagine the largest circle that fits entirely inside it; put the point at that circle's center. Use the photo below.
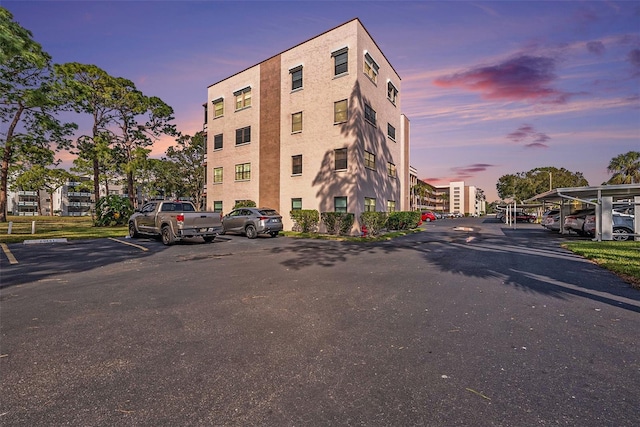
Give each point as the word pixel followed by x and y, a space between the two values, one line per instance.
pixel 296 164
pixel 369 160
pixel 391 131
pixel 391 170
pixel 340 111
pixel 340 158
pixel 217 206
pixel 218 107
pixel 392 93
pixel 243 172
pixel 341 61
pixel 217 175
pixel 243 98
pixel 296 122
pixel 217 142
pixel 369 114
pixel 369 204
pixel 206 113
pixel 391 205
pixel 296 204
pixel 296 77
pixel 243 135
pixel 371 68
pixel 340 204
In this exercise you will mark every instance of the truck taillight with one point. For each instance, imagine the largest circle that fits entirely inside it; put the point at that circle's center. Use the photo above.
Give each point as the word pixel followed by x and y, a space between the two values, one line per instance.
pixel 180 217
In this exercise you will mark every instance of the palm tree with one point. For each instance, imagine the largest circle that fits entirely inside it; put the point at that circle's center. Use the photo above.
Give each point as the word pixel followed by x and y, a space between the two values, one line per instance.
pixel 625 168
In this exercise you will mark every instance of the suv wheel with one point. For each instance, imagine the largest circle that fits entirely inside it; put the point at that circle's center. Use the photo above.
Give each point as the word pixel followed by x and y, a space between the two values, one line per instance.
pixel 251 232
pixel 623 234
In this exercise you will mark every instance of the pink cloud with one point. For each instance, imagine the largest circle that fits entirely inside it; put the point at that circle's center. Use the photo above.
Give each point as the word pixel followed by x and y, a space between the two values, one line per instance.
pixel 521 78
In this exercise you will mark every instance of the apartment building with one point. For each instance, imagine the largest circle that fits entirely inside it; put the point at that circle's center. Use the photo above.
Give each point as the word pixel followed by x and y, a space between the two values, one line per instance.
pixel 72 199
pixel 458 197
pixel 318 126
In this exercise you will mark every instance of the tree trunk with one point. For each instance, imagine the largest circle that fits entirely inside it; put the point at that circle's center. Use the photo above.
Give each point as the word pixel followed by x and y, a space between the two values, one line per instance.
pixel 50 204
pixel 96 164
pixel 132 198
pixel 6 159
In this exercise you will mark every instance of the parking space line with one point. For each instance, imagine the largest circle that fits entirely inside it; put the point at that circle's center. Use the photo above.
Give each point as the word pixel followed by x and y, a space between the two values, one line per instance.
pixel 142 248
pixel 7 252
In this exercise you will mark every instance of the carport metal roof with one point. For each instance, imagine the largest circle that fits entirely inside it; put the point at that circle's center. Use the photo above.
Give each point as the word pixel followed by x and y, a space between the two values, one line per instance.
pixel 593 196
pixel 588 194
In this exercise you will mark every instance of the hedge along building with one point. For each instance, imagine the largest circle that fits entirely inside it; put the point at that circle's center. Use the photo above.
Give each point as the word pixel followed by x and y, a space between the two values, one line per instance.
pixel 318 126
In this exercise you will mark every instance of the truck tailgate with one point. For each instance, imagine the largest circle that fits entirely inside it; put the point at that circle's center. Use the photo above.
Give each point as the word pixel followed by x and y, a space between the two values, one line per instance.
pixel 201 220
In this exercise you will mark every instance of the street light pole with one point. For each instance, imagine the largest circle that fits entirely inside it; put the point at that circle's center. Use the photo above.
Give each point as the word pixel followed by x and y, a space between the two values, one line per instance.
pixel 550 186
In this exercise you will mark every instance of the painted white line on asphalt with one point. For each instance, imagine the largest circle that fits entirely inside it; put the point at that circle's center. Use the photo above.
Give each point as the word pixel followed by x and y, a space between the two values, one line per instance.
pixel 142 248
pixel 7 252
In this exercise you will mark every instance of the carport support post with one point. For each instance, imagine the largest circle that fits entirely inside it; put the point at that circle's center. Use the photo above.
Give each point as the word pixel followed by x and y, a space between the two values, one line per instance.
pixel 606 214
pixel 636 220
pixel 598 214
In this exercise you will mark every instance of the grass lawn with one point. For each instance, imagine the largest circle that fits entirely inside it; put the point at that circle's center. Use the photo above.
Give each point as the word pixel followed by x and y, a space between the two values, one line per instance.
pixel 54 227
pixel 623 258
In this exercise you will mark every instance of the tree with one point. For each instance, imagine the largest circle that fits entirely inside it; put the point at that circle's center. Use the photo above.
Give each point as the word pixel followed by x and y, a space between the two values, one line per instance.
pixel 524 185
pixel 29 100
pixel 90 90
pixel 108 165
pixel 445 199
pixel 189 158
pixel 158 177
pixel 625 168
pixel 130 107
pixel 422 190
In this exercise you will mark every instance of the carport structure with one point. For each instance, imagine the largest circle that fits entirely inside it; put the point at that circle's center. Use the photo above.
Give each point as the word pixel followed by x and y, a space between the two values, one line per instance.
pixel 603 198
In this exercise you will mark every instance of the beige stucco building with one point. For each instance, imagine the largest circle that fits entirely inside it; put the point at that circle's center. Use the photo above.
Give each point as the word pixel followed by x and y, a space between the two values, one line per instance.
pixel 318 126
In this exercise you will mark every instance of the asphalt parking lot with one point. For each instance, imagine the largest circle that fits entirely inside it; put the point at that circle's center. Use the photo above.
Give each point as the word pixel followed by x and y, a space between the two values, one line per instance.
pixel 465 323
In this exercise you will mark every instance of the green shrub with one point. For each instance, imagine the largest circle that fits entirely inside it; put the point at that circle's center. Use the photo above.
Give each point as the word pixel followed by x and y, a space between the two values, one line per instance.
pixel 403 220
pixel 338 222
pixel 305 220
pixel 374 221
pixel 245 204
pixel 113 210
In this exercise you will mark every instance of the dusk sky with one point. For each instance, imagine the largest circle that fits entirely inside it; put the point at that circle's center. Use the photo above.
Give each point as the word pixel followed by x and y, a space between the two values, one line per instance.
pixel 490 88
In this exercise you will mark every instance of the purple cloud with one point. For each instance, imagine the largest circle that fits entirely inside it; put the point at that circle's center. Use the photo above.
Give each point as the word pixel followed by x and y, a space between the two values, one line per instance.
pixel 521 78
pixel 463 172
pixel 527 133
pixel 634 60
pixel 596 47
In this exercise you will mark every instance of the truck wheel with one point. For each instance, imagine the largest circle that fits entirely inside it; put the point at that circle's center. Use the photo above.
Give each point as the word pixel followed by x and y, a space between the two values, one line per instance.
pixel 132 230
pixel 251 232
pixel 208 239
pixel 274 234
pixel 167 236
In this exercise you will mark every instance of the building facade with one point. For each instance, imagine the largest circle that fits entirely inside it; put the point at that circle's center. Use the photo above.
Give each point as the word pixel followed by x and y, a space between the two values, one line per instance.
pixel 456 197
pixel 72 199
pixel 318 126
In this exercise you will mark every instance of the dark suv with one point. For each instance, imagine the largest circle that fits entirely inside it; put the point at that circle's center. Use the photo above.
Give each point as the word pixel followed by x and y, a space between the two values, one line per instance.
pixel 252 221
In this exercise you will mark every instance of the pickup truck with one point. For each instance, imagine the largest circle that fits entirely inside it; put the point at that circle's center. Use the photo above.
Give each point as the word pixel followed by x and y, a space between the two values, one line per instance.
pixel 174 220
